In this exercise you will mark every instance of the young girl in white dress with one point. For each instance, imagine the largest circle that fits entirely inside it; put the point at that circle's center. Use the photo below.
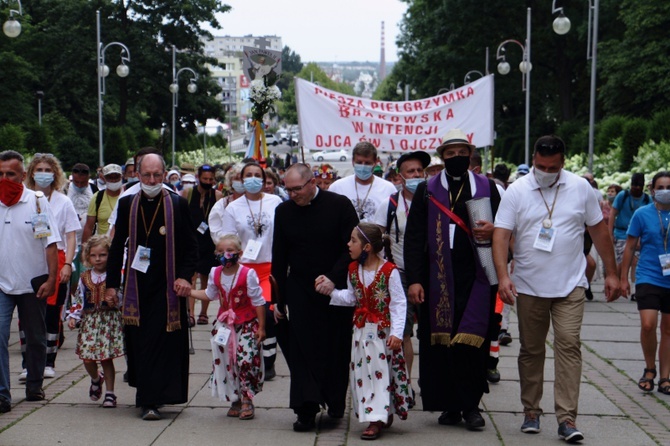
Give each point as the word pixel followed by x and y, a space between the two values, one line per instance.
pixel 378 377
pixel 100 322
pixel 238 331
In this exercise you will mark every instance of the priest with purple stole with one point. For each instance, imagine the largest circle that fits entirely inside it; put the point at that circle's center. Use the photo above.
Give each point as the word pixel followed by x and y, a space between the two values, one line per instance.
pixel 456 301
pixel 156 227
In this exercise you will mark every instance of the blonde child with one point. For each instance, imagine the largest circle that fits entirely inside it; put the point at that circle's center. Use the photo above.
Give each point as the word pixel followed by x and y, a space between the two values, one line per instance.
pixel 378 377
pixel 100 323
pixel 238 331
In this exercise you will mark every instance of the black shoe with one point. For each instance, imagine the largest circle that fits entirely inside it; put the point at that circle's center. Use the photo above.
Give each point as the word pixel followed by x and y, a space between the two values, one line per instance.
pixel 504 338
pixel 632 297
pixel 412 400
pixel 35 394
pixel 333 413
pixel 589 293
pixel 150 413
pixel 270 374
pixel 449 418
pixel 125 377
pixel 5 405
pixel 304 424
pixel 473 420
pixel 492 375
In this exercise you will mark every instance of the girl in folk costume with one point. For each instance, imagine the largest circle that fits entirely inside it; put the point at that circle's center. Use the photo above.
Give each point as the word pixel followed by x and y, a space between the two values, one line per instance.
pixel 238 330
pixel 378 376
pixel 100 322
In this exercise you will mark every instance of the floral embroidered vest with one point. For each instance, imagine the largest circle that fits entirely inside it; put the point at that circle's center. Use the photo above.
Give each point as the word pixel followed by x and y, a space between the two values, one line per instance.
pixel 94 293
pixel 238 298
pixel 372 302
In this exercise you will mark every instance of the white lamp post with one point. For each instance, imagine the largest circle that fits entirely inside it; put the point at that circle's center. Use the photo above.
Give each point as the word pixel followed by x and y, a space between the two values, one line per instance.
pixel 525 67
pixel 408 88
pixel 122 70
pixel 12 27
pixel 466 78
pixel 561 26
pixel 174 89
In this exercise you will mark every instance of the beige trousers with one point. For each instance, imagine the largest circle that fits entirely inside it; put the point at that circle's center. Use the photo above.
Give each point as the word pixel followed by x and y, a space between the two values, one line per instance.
pixel 566 314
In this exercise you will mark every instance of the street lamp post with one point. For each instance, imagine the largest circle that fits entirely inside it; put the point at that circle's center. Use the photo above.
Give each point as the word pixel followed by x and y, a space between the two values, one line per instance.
pixel 525 67
pixel 466 79
pixel 231 88
pixel 452 86
pixel 39 95
pixel 12 27
pixel 122 70
pixel 408 88
pixel 174 89
pixel 561 26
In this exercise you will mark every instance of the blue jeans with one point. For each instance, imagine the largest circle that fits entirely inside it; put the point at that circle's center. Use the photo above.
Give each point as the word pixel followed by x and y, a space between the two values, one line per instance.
pixel 31 313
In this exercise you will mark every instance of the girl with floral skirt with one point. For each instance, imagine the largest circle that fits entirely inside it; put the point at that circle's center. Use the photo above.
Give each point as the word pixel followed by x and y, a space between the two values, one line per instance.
pixel 100 322
pixel 238 331
pixel 378 376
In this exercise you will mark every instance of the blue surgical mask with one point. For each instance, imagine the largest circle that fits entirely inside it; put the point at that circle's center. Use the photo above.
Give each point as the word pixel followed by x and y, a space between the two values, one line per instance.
pixel 662 196
pixel 238 186
pixel 363 172
pixel 79 190
pixel 132 180
pixel 253 185
pixel 43 179
pixel 412 183
pixel 398 187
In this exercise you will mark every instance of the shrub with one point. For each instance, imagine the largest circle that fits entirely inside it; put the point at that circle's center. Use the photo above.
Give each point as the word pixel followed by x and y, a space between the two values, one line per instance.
pixel 659 128
pixel 607 131
pixel 12 138
pixel 634 134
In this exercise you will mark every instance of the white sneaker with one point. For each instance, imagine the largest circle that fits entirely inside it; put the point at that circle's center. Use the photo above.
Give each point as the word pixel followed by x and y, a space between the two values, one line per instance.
pixel 49 372
pixel 23 376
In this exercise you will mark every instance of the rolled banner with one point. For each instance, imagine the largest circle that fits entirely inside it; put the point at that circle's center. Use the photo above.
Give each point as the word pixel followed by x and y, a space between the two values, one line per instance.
pixel 480 209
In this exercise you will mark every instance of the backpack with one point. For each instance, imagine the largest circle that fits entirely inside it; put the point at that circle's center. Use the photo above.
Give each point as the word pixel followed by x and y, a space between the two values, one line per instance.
pixel 98 199
pixel 392 215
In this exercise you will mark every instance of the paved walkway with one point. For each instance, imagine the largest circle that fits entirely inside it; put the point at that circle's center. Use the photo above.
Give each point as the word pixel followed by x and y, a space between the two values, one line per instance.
pixel 612 410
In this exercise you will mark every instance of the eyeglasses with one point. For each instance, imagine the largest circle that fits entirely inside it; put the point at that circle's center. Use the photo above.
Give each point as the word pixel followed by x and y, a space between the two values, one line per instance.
pixel 296 189
pixel 155 176
pixel 44 155
pixel 550 148
pixel 81 171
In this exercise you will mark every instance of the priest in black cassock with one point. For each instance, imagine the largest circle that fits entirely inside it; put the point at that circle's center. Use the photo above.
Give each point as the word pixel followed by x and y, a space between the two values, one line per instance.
pixel 456 301
pixel 311 232
pixel 162 255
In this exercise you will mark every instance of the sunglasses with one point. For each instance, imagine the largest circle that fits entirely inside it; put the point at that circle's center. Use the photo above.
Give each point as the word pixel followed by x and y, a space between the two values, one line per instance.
pixel 81 171
pixel 550 148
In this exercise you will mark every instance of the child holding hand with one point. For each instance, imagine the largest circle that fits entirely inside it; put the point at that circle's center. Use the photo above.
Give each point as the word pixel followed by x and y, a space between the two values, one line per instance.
pixel 378 377
pixel 238 331
pixel 100 323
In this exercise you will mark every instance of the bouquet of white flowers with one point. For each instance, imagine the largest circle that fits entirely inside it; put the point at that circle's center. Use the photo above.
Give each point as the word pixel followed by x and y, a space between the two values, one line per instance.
pixel 262 97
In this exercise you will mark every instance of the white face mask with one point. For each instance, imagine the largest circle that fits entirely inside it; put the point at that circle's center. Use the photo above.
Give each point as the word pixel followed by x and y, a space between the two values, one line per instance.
pixel 152 191
pixel 545 179
pixel 662 196
pixel 114 186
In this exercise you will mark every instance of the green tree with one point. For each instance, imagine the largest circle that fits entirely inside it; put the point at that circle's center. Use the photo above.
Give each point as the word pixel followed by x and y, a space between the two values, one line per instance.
pixel 12 138
pixel 634 135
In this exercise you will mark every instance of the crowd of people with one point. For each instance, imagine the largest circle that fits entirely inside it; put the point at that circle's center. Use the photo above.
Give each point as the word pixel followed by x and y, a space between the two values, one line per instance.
pixel 337 272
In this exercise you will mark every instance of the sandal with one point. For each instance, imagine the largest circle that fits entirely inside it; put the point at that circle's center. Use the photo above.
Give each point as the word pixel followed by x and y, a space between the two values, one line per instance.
pixel 372 431
pixel 247 412
pixel 389 422
pixel 191 321
pixel 644 381
pixel 95 390
pixel 203 319
pixel 665 390
pixel 234 411
pixel 110 400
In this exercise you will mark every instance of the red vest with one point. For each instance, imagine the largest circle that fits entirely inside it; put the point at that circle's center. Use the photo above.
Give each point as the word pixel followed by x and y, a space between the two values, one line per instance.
pixel 238 298
pixel 369 308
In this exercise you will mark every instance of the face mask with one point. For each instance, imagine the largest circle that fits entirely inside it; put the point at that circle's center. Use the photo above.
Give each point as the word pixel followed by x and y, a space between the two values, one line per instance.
pixel 611 198
pixel 253 185
pixel 398 187
pixel 545 179
pixel 187 186
pixel 151 191
pixel 228 259
pixel 363 257
pixel 206 186
pixel 362 171
pixel 132 180
pixel 412 183
pixel 43 179
pixel 174 183
pixel 114 186
pixel 662 196
pixel 79 190
pixel 101 183
pixel 456 166
pixel 238 187
pixel 10 192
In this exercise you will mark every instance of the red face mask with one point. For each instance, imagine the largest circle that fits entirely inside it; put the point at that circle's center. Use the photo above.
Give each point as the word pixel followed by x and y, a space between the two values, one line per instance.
pixel 10 192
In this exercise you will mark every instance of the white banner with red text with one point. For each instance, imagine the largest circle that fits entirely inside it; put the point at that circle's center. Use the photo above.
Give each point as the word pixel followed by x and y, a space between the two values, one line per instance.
pixel 332 120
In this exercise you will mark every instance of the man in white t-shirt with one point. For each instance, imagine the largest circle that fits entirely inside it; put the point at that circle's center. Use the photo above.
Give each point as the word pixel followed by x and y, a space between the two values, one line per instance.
pixel 365 190
pixel 392 216
pixel 547 211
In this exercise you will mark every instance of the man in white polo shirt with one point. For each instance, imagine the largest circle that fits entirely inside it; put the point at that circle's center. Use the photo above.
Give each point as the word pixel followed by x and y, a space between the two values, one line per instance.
pixel 547 210
pixel 365 190
pixel 29 260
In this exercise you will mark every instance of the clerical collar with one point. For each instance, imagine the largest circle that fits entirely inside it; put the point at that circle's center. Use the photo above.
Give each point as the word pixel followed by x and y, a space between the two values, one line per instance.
pixel 315 194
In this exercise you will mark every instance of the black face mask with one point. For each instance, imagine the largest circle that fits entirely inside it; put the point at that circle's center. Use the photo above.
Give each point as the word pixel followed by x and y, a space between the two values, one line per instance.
pixel 206 186
pixel 456 166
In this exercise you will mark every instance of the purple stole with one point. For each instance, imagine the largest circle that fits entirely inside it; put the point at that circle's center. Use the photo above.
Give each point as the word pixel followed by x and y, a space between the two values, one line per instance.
pixel 475 321
pixel 131 308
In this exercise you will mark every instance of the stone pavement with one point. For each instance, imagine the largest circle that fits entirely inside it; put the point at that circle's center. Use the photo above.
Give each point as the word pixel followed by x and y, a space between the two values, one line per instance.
pixel 612 409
